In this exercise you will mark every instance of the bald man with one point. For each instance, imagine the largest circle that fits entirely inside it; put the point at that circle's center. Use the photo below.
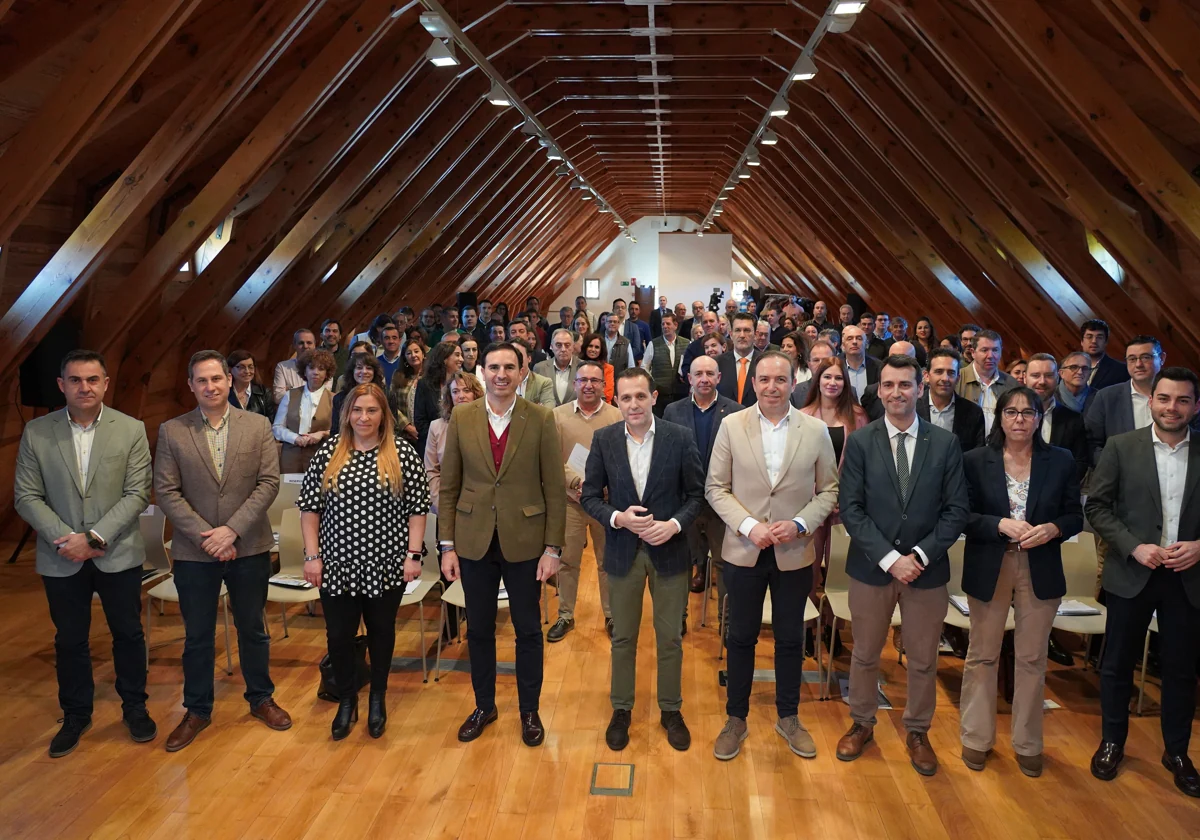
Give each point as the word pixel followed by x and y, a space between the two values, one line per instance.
pixel 870 397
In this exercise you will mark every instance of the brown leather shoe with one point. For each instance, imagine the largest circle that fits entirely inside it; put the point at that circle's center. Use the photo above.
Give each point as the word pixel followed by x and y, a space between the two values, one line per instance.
pixel 273 716
pixel 854 741
pixel 1031 765
pixel 977 759
pixel 921 754
pixel 697 582
pixel 532 731
pixel 473 726
pixel 186 732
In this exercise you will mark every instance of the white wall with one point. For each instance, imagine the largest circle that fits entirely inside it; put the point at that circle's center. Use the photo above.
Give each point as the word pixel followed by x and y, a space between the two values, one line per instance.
pixel 622 260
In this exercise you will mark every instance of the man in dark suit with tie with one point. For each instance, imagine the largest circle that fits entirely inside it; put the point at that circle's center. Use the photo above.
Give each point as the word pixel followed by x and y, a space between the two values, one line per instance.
pixel 1093 340
pixel 870 397
pixel 1144 500
pixel 657 315
pixel 702 415
pixel 899 535
pixel 737 365
pixel 643 480
pixel 942 407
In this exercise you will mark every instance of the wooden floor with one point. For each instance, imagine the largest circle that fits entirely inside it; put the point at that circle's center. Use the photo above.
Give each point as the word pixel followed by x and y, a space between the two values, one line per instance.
pixel 241 780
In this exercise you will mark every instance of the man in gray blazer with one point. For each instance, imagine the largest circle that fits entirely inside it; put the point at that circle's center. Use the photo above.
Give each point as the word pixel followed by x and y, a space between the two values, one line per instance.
pixel 560 369
pixel 899 535
pixel 534 388
pixel 82 480
pixel 216 473
pixel 1144 500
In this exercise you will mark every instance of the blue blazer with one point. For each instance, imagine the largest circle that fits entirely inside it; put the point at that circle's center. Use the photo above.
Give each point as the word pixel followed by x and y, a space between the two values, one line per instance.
pixel 1053 497
pixel 681 412
pixel 674 490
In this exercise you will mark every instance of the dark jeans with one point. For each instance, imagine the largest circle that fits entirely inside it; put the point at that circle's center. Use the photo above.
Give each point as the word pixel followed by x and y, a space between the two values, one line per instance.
pixel 747 587
pixel 199 586
pixel 1125 628
pixel 481 583
pixel 70 600
pixel 342 613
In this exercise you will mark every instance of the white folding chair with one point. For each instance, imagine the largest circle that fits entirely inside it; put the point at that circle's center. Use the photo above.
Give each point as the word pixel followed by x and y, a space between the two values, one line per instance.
pixel 1145 653
pixel 811 613
pixel 153 526
pixel 289 494
pixel 953 617
pixel 837 596
pixel 1080 564
pixel 165 591
pixel 291 562
pixel 455 597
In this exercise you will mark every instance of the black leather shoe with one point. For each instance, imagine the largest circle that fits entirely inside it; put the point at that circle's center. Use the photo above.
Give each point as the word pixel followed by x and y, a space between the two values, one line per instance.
pixel 696 584
pixel 1057 654
pixel 376 713
pixel 532 731
pixel 141 727
pixel 1184 771
pixel 560 629
pixel 608 627
pixel 1106 760
pixel 617 734
pixel 473 726
pixel 67 739
pixel 346 717
pixel 677 731
pixel 683 631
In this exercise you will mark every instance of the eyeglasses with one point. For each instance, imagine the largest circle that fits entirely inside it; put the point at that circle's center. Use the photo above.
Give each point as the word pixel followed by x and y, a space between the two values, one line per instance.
pixel 1145 358
pixel 1077 368
pixel 588 381
pixel 1025 414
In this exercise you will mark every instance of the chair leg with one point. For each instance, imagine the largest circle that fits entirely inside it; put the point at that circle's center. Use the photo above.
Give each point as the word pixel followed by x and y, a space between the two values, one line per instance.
pixel 421 616
pixel 721 628
pixel 437 676
pixel 817 654
pixel 149 619
pixel 1142 686
pixel 228 650
pixel 283 612
pixel 833 629
pixel 707 591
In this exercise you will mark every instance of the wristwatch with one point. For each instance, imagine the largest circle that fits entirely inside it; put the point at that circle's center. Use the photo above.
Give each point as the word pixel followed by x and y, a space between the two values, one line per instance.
pixel 419 556
pixel 553 551
pixel 96 541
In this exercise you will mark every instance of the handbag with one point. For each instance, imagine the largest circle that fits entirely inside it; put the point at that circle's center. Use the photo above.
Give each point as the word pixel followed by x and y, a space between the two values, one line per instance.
pixel 327 689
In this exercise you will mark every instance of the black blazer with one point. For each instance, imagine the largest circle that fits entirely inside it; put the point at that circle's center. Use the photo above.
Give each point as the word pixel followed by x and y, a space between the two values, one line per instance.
pixel 727 365
pixel 674 490
pixel 260 402
pixel 681 412
pixel 879 348
pixel 869 497
pixel 873 365
pixel 968 421
pixel 1109 372
pixel 425 411
pixel 1068 432
pixel 656 317
pixel 1053 497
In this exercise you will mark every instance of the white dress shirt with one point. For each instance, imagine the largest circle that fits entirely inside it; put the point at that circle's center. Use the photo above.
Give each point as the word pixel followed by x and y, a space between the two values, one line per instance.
pixel 499 422
pixel 640 455
pixel 1171 463
pixel 1048 419
pixel 648 355
pixel 857 376
pixel 987 400
pixel 1141 408
pixel 910 449
pixel 943 418
pixel 308 407
pixel 83 438
pixel 774 443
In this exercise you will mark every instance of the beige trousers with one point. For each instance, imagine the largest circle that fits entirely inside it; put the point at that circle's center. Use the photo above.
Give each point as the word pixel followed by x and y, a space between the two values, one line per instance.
pixel 1033 619
pixel 579 526
pixel 922 612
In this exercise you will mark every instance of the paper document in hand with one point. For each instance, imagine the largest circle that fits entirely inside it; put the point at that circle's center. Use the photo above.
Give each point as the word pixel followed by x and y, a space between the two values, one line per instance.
pixel 411 586
pixel 578 459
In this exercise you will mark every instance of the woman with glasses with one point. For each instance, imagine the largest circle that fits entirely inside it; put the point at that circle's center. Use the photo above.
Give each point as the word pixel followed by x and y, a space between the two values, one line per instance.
pixel 363 370
pixel 1024 497
pixel 248 393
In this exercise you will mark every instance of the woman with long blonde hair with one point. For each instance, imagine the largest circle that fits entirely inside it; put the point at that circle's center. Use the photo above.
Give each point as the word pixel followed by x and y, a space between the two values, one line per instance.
pixel 362 515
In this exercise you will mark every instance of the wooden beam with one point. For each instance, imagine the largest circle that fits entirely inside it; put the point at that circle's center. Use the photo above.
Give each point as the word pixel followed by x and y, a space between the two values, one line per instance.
pixel 146 180
pixel 44 27
pixel 105 70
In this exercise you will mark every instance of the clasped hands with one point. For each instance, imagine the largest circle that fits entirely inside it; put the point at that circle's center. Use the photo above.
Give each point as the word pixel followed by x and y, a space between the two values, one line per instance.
pixel 219 542
pixel 1177 557
pixel 311 439
pixel 1029 536
pixel 767 534
pixel 653 531
pixel 74 547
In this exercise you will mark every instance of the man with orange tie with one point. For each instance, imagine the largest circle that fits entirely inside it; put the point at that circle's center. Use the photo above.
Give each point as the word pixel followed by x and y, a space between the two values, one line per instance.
pixel 737 365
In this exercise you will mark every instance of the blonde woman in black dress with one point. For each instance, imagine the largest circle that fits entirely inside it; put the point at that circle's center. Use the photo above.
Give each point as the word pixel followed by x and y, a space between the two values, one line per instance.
pixel 362 514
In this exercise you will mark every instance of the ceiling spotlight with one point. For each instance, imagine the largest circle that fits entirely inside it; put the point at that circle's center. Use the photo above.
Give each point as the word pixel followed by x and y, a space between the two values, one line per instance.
pixel 578 184
pixel 563 171
pixel 779 107
pixel 842 7
pixel 530 128
pixel 553 154
pixel 586 196
pixel 752 158
pixel 435 24
pixel 743 173
pixel 700 232
pixel 498 97
pixel 841 23
pixel 633 239
pixel 805 69
pixel 441 54
pixel 769 138
pixel 604 208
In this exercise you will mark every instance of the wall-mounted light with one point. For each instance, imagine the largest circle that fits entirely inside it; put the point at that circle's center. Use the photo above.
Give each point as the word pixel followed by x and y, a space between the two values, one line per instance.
pixel 442 54
pixel 498 97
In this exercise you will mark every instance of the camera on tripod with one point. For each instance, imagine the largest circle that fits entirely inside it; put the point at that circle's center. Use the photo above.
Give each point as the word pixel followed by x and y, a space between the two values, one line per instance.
pixel 714 300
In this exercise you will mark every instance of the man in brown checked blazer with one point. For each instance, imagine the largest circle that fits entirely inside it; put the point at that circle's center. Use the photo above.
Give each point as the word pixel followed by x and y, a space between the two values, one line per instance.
pixel 216 471
pixel 502 516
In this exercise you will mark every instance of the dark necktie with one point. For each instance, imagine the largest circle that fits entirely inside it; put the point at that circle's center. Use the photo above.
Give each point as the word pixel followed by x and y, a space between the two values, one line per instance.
pixel 902 466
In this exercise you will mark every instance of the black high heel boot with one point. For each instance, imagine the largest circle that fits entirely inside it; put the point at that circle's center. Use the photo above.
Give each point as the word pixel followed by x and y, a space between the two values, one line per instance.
pixel 377 713
pixel 346 717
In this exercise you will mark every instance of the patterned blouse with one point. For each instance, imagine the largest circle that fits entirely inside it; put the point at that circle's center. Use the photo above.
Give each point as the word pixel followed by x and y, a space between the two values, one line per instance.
pixel 364 528
pixel 1018 497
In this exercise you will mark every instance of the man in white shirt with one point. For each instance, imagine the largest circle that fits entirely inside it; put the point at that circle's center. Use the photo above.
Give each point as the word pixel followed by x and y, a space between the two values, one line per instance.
pixel 982 382
pixel 287 376
pixel 861 369
pixel 560 369
pixel 616 346
pixel 942 407
pixel 1125 406
pixel 663 357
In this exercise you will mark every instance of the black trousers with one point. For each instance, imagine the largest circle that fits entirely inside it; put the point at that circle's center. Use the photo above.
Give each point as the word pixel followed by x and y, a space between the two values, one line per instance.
pixel 747 587
pixel 70 600
pixel 1125 628
pixel 342 613
pixel 481 584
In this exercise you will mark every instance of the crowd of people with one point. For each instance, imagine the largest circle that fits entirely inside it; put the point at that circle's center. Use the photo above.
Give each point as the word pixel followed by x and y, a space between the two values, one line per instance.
pixel 683 444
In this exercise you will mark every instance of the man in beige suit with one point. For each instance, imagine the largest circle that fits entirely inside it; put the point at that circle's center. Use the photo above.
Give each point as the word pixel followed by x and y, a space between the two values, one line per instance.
pixel 502 517
pixel 216 471
pixel 773 481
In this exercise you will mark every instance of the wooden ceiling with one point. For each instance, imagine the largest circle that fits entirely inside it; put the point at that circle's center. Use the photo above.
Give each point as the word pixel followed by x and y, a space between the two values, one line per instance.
pixel 951 158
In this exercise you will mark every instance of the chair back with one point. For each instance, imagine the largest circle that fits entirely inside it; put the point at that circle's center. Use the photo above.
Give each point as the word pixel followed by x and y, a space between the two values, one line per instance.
pixel 291 543
pixel 1080 565
pixel 836 579
pixel 957 559
pixel 289 494
pixel 153 525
